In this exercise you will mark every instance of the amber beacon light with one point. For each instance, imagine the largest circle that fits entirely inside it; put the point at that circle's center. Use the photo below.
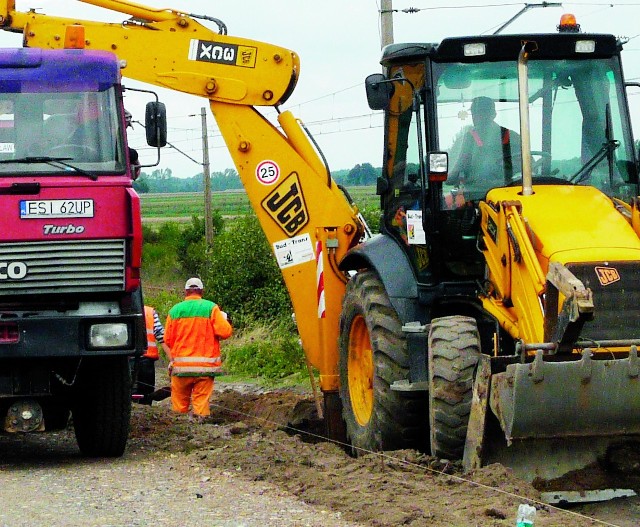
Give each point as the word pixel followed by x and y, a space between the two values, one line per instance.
pixel 568 24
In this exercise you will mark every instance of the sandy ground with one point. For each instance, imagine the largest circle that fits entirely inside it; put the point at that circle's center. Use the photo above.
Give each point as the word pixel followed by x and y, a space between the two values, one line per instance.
pixel 260 461
pixel 274 437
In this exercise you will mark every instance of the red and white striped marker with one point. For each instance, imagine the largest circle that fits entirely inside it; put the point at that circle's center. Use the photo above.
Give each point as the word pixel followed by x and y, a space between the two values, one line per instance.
pixel 320 280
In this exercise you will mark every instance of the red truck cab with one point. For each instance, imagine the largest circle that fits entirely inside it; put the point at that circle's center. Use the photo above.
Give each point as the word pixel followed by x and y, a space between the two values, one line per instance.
pixel 71 308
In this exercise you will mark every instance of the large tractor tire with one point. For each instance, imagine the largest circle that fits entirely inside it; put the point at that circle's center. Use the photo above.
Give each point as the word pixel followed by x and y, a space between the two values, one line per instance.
pixel 373 355
pixel 454 350
pixel 102 408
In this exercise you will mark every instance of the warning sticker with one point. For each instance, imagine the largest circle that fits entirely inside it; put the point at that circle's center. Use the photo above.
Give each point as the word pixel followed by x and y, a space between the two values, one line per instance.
pixel 223 53
pixel 267 172
pixel 293 251
pixel 415 231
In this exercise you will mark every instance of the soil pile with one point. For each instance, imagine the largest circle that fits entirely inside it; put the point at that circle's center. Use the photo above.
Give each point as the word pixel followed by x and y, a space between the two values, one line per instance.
pixel 274 436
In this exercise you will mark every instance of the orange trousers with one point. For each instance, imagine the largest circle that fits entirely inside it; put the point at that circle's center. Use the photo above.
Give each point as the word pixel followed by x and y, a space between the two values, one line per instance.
pixel 194 391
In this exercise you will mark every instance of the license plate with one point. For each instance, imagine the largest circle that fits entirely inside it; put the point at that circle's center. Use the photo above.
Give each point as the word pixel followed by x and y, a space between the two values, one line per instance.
pixel 57 208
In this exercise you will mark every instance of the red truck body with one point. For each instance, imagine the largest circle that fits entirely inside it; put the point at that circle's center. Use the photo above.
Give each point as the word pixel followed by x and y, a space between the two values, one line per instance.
pixel 71 308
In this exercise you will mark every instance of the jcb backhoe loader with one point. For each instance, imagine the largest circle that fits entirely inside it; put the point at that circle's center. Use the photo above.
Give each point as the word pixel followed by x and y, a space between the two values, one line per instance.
pixel 495 316
pixel 520 251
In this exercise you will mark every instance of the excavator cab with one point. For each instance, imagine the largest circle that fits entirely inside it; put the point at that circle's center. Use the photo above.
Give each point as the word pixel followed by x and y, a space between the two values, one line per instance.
pixel 578 130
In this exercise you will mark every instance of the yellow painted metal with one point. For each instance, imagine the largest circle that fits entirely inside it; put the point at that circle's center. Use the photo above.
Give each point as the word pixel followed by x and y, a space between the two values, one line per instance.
pixel 519 280
pixel 574 224
pixel 502 314
pixel 360 371
pixel 400 108
pixel 297 204
pixel 634 211
pixel 137 10
pixel 6 7
pixel 165 53
pixel 565 224
pixel 298 140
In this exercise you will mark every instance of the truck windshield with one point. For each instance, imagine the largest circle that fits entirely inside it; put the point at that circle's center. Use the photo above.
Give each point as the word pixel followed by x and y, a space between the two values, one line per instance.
pixel 578 125
pixel 81 128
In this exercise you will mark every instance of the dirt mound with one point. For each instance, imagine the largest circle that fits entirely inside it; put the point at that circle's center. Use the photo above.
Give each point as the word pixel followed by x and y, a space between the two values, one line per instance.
pixel 274 436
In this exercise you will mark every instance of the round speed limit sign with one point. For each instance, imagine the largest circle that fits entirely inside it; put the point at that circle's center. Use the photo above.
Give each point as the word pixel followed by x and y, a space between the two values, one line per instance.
pixel 267 172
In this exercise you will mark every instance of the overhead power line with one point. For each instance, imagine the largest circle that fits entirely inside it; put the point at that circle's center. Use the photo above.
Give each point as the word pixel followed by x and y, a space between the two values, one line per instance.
pixel 412 10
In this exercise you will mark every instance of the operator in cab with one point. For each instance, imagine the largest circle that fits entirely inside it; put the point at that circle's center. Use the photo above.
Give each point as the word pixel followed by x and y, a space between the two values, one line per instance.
pixel 487 151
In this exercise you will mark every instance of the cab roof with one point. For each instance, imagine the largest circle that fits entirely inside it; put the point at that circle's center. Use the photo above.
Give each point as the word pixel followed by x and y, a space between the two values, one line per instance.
pixel 502 47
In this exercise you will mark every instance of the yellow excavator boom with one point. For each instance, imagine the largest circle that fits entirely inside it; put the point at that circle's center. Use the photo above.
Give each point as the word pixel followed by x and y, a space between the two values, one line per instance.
pixel 170 49
pixel 305 216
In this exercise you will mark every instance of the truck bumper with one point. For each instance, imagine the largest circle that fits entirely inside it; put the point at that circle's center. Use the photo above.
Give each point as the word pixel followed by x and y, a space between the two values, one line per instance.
pixel 48 337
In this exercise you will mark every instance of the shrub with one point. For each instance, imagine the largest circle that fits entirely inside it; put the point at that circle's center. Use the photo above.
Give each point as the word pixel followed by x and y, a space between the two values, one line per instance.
pixel 372 217
pixel 170 233
pixel 159 263
pixel 241 274
pixel 162 300
pixel 192 248
pixel 149 234
pixel 266 350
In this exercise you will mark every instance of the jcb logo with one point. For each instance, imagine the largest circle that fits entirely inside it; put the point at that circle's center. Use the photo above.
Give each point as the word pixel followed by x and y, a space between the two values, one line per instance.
pixel 286 205
pixel 12 270
pixel 607 275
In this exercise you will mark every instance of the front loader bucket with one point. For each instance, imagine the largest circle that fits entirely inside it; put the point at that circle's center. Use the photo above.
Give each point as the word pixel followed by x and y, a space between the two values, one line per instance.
pixel 548 418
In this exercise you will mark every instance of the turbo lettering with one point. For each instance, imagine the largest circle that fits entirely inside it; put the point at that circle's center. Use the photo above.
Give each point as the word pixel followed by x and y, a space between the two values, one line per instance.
pixel 63 229
pixel 13 270
pixel 286 205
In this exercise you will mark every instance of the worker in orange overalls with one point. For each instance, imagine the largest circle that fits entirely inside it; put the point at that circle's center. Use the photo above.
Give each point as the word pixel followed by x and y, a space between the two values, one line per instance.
pixel 193 331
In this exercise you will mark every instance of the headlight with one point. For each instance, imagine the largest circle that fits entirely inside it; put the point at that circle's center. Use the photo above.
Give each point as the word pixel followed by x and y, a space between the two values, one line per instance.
pixel 115 335
pixel 475 49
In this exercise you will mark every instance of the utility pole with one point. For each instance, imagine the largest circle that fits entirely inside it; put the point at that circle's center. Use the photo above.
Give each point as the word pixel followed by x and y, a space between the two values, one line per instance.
pixel 386 22
pixel 208 218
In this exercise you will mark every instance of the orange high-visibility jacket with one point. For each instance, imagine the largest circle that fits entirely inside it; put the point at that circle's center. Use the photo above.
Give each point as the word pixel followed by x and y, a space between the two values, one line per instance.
pixel 193 331
pixel 152 348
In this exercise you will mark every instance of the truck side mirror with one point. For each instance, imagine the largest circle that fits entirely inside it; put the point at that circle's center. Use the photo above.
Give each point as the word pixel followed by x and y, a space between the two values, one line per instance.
pixel 379 91
pixel 156 124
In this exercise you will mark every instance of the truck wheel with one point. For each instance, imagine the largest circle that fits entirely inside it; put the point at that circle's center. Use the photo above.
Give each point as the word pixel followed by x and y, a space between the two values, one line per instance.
pixel 102 408
pixel 454 350
pixel 373 355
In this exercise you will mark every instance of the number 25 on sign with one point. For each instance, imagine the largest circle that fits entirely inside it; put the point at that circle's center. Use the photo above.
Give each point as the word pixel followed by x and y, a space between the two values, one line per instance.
pixel 267 172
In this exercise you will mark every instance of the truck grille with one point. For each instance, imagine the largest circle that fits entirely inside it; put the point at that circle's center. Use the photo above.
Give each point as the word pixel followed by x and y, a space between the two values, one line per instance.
pixel 77 266
pixel 616 298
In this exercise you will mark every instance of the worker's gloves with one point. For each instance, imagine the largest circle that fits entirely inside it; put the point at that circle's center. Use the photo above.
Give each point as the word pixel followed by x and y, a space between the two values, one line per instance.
pixel 170 368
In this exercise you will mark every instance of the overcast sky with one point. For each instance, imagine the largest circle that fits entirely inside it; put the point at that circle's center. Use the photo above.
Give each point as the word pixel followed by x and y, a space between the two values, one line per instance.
pixel 338 42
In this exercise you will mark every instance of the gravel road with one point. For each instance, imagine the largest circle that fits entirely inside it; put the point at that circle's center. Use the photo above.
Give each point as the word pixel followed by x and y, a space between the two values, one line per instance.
pixel 49 484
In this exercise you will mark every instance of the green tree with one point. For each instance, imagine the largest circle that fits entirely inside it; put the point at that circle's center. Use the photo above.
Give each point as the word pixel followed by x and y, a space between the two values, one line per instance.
pixel 191 246
pixel 141 185
pixel 363 174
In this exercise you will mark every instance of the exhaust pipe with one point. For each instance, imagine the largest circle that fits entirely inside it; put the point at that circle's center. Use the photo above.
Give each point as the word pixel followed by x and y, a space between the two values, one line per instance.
pixel 525 136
